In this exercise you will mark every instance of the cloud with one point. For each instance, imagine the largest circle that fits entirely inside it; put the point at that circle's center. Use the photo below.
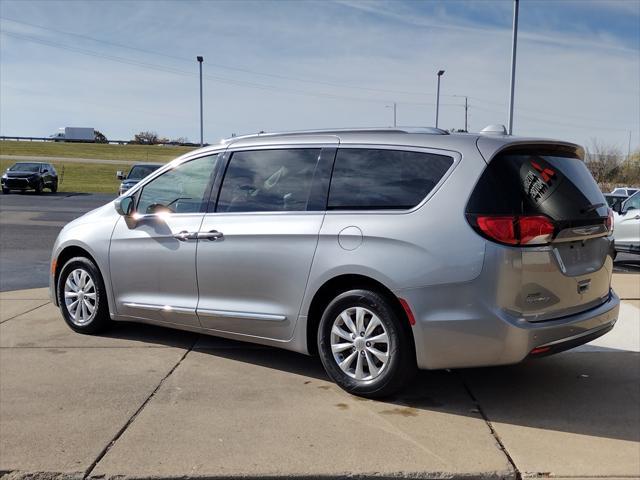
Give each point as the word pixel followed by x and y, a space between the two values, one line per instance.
pixel 326 65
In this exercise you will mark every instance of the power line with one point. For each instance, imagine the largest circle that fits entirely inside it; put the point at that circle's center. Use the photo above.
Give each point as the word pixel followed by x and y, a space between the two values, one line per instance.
pixel 226 67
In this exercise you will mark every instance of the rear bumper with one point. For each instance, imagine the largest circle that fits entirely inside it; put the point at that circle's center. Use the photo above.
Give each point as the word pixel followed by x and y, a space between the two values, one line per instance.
pixel 474 335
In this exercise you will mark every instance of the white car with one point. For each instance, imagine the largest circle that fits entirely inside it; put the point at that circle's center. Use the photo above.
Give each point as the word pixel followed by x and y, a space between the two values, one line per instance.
pixel 627 225
pixel 625 191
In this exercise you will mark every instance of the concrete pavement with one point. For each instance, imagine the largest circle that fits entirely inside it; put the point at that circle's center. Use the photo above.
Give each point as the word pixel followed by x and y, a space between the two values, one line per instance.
pixel 143 402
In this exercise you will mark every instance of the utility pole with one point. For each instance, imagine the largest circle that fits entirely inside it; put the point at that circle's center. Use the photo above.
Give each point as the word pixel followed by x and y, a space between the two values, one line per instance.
pixel 514 42
pixel 200 60
pixel 466 111
pixel 440 73
pixel 395 111
pixel 629 147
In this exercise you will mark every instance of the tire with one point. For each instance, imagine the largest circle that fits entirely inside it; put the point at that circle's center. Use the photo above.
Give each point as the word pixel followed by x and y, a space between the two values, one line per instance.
pixel 6 191
pixel 40 187
pixel 87 321
pixel 378 377
pixel 54 187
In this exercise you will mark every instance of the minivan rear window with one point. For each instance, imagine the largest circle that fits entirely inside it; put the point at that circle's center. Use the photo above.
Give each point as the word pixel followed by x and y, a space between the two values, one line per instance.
pixel 365 178
pixel 539 181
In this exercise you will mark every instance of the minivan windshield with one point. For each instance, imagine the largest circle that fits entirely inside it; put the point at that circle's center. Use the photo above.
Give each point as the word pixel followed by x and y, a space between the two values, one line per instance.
pixel 25 167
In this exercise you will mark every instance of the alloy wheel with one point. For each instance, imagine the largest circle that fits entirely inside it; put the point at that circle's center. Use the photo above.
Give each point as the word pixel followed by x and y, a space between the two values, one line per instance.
pixel 359 343
pixel 80 297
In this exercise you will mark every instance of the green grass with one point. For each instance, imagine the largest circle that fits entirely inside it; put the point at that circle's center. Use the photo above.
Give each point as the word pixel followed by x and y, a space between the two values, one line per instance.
pixel 137 153
pixel 84 177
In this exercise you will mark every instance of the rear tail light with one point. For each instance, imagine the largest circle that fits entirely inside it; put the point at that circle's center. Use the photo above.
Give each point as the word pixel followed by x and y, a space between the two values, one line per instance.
pixel 517 229
pixel 609 222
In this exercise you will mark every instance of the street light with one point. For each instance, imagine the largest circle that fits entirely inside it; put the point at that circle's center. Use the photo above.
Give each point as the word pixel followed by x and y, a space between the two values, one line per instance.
pixel 440 73
pixel 395 108
pixel 200 60
pixel 514 44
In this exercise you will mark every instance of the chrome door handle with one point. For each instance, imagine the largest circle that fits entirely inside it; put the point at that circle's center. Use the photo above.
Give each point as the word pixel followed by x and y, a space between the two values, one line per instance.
pixel 183 236
pixel 210 235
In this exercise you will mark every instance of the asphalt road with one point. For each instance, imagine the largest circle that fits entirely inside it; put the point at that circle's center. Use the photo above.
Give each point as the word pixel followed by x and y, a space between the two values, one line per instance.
pixel 29 224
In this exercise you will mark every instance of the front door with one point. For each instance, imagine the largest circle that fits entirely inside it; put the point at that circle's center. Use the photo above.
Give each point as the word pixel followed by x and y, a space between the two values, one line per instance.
pixel 256 249
pixel 153 252
pixel 627 224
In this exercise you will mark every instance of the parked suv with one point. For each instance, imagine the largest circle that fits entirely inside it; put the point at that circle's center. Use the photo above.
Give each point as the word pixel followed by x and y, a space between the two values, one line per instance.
pixel 379 250
pixel 30 176
pixel 137 173
pixel 627 225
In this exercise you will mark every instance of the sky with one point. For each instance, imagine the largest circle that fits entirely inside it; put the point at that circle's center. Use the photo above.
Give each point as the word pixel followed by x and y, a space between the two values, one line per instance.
pixel 127 66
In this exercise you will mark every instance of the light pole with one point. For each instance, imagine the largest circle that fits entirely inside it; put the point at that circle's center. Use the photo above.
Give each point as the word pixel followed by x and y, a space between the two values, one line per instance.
pixel 440 73
pixel 466 110
pixel 395 111
pixel 200 60
pixel 514 42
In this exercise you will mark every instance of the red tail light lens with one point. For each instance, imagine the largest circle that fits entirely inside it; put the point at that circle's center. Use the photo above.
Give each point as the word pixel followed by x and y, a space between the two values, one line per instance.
pixel 609 222
pixel 517 229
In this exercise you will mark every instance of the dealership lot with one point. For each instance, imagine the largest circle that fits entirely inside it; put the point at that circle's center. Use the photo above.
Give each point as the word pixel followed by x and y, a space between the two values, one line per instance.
pixel 143 401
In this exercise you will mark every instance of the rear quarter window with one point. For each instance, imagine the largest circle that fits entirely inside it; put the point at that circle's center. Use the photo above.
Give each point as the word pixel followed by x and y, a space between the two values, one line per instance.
pixel 365 178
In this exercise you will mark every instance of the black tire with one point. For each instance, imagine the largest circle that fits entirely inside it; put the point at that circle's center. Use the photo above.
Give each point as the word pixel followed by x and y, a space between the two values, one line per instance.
pixel 40 187
pixel 401 364
pixel 54 187
pixel 99 318
pixel 6 191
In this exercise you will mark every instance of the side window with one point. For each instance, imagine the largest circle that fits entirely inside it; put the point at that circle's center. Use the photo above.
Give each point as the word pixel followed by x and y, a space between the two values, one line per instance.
pixel 179 190
pixel 268 180
pixel 633 203
pixel 384 179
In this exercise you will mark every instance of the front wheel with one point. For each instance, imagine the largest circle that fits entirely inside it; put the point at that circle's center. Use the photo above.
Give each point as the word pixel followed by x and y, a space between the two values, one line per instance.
pixel 5 191
pixel 40 187
pixel 363 345
pixel 82 297
pixel 54 187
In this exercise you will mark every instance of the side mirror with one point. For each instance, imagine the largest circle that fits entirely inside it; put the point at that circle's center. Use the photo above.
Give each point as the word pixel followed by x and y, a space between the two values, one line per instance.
pixel 46 170
pixel 120 175
pixel 124 206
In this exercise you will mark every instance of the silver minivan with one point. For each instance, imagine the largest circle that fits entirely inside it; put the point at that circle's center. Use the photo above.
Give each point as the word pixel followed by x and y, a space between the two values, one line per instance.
pixel 381 251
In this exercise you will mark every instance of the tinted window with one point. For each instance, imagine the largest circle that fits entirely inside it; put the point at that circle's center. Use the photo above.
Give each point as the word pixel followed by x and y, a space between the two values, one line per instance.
pixel 532 182
pixel 138 172
pixel 380 179
pixel 25 167
pixel 268 181
pixel 179 190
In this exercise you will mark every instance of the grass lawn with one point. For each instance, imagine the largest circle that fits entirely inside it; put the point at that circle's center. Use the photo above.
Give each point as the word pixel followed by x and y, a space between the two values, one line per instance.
pixel 83 177
pixel 138 153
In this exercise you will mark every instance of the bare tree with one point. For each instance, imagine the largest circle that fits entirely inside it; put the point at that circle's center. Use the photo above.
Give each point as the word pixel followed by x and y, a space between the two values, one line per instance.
pixel 146 138
pixel 604 162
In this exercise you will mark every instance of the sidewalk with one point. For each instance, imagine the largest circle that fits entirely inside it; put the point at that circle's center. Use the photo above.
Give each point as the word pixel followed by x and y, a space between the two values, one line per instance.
pixel 145 402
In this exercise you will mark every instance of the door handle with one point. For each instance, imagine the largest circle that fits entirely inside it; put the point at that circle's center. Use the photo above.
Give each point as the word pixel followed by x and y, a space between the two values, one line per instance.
pixel 637 217
pixel 183 236
pixel 210 235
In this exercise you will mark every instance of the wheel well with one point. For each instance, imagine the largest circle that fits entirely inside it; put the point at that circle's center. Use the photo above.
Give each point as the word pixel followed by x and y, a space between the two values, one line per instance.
pixel 338 285
pixel 64 256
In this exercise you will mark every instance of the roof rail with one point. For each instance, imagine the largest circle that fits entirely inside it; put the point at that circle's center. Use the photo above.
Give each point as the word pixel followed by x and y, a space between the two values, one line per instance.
pixel 426 130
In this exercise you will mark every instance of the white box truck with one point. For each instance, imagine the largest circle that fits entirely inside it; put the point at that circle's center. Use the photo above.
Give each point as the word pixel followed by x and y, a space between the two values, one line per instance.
pixel 75 134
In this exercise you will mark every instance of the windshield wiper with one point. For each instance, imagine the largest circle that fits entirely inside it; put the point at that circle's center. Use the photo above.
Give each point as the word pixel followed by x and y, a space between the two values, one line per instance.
pixel 592 207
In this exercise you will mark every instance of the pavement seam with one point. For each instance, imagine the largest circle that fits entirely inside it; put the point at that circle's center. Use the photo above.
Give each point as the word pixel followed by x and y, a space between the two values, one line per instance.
pixel 24 313
pixel 494 433
pixel 124 428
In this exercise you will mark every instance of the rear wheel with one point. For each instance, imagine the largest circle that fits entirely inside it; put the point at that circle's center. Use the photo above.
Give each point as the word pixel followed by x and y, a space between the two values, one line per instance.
pixel 82 297
pixel 363 345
